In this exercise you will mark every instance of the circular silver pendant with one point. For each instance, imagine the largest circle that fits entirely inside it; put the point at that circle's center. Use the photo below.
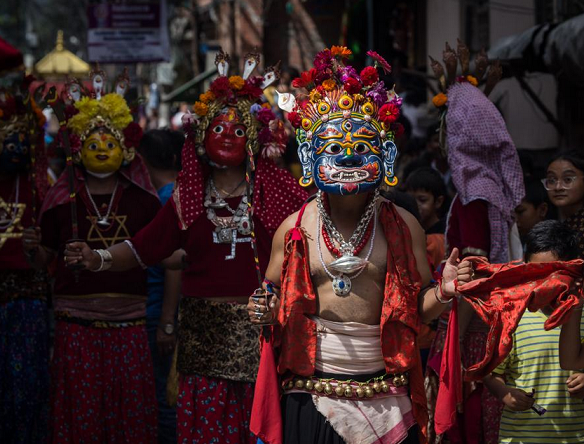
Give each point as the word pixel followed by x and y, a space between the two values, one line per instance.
pixel 225 235
pixel 244 226
pixel 342 285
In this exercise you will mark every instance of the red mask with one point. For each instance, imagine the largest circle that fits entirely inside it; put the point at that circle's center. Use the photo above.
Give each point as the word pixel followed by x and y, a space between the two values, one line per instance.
pixel 225 139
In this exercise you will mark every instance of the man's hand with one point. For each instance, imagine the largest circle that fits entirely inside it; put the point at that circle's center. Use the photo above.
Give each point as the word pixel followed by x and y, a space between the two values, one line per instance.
pixel 31 239
pixel 575 385
pixel 79 253
pixel 465 272
pixel 258 309
pixel 517 400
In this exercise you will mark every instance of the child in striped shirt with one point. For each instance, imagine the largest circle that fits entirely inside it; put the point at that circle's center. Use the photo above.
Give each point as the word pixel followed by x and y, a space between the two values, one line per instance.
pixel 532 373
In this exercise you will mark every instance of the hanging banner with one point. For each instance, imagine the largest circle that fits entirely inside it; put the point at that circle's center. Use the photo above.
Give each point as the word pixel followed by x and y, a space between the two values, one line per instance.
pixel 128 33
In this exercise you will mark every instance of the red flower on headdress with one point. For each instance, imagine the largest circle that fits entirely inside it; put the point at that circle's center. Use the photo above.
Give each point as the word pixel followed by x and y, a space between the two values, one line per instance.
pixel 352 86
pixel 265 115
pixel 369 75
pixel 132 135
pixel 251 88
pixel 305 79
pixel 221 87
pixel 388 113
pixel 294 119
pixel 380 61
pixel 323 60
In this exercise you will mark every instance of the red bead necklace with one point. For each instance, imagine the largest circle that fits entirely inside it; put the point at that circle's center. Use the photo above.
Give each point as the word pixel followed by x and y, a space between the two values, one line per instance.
pixel 329 243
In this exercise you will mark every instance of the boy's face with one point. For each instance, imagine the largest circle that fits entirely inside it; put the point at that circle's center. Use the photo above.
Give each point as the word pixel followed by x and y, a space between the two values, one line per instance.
pixel 543 257
pixel 528 215
pixel 428 205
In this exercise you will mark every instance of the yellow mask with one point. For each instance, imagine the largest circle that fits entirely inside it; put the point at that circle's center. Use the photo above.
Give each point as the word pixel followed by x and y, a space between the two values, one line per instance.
pixel 101 153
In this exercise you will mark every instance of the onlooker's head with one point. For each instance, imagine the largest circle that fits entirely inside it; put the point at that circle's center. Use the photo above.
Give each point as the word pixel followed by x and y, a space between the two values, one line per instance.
pixel 564 182
pixel 161 149
pixel 533 207
pixel 427 187
pixel 549 241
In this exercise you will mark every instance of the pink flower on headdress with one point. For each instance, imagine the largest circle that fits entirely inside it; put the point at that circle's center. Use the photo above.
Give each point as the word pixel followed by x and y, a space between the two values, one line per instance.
pixel 264 136
pixel 378 94
pixel 251 88
pixel 347 72
pixel 352 86
pixel 323 60
pixel 369 75
pixel 380 61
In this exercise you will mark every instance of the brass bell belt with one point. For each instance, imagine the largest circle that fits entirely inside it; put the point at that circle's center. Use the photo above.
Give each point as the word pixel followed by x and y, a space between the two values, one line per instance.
pixel 381 385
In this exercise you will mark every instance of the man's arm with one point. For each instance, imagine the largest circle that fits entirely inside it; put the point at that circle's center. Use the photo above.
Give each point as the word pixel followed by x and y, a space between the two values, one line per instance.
pixel 273 272
pixel 429 301
pixel 571 350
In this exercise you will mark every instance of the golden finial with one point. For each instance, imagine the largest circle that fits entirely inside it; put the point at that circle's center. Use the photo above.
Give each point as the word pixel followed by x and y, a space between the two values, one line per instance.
pixel 59 40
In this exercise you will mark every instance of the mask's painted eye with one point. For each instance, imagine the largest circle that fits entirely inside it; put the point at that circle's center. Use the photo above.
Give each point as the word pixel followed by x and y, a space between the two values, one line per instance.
pixel 361 148
pixel 218 129
pixel 111 145
pixel 24 150
pixel 10 147
pixel 92 146
pixel 239 132
pixel 334 149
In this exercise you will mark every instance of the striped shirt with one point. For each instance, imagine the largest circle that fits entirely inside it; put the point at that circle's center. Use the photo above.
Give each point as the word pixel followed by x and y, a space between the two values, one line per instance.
pixel 534 363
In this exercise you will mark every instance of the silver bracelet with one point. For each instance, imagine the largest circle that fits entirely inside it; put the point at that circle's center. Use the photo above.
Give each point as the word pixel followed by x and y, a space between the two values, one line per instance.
pixel 106 260
pixel 438 298
pixel 136 255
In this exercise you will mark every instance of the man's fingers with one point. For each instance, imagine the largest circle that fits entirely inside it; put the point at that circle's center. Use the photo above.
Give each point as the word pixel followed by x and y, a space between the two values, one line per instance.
pixel 453 258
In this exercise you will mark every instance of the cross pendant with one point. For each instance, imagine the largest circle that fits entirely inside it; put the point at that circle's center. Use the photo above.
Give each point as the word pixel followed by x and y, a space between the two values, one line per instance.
pixel 234 241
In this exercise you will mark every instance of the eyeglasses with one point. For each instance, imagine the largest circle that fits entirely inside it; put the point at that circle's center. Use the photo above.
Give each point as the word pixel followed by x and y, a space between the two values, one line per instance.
pixel 551 183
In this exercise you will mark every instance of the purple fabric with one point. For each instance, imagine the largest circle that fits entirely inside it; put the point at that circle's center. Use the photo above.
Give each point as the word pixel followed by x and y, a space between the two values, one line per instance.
pixel 483 161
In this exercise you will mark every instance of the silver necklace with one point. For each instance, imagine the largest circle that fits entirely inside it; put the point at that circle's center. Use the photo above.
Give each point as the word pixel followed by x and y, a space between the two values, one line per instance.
pixel 7 223
pixel 102 221
pixel 342 282
pixel 225 226
pixel 347 247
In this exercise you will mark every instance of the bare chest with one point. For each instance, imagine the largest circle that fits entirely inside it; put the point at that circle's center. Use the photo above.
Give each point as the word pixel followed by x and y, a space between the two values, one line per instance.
pixel 364 301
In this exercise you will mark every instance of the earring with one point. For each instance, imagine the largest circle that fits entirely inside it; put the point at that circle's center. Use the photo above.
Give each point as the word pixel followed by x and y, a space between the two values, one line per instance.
pixel 391 182
pixel 306 181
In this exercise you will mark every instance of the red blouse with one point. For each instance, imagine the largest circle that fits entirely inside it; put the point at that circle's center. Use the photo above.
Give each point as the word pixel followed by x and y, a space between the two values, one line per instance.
pixel 133 208
pixel 209 273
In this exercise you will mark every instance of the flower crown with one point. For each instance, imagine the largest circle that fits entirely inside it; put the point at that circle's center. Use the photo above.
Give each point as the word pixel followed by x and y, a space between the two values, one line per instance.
pixel 245 94
pixel 109 112
pixel 337 90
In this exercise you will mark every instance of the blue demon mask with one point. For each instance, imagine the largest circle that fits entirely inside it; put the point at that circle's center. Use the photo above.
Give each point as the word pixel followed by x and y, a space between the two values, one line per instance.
pixel 347 156
pixel 14 153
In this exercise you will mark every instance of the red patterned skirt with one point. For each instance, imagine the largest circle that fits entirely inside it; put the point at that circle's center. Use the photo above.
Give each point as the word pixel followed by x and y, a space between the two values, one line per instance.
pixel 102 385
pixel 213 410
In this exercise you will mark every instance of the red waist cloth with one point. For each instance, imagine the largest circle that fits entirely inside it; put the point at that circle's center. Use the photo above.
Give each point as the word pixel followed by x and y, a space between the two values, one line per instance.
pixel 500 297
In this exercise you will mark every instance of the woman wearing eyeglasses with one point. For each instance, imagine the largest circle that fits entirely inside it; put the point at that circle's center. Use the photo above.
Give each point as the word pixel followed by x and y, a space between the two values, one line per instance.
pixel 565 187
